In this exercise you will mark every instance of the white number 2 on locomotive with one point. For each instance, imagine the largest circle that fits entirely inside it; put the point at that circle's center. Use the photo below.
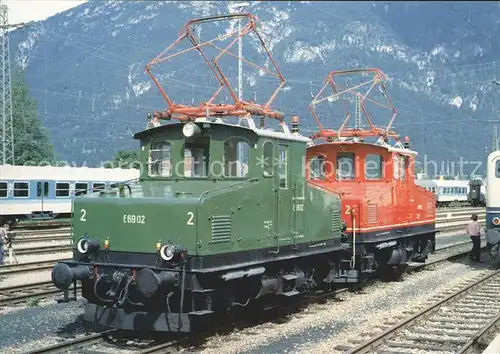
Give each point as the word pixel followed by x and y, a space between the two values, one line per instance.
pixel 134 219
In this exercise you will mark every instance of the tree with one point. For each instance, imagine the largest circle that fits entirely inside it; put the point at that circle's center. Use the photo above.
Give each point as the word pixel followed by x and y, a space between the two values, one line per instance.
pixel 31 141
pixel 125 159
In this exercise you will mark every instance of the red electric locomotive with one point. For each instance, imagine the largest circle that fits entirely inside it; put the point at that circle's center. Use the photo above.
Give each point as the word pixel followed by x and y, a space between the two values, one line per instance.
pixel 390 220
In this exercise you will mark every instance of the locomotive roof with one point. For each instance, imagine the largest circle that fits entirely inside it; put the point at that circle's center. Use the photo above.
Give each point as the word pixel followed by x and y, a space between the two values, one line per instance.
pixel 11 172
pixel 376 145
pixel 269 133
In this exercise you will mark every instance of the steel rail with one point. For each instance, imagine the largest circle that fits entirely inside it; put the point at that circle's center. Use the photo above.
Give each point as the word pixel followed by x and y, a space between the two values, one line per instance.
pixel 388 334
pixel 70 344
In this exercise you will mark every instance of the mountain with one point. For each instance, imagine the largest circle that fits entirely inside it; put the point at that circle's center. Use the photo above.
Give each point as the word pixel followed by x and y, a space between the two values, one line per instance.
pixel 85 67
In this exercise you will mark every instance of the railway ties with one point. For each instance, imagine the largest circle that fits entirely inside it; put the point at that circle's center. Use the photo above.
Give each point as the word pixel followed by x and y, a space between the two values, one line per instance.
pixel 455 324
pixel 20 294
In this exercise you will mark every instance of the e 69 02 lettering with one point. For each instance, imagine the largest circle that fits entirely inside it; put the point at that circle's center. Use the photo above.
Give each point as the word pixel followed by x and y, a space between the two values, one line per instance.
pixel 134 219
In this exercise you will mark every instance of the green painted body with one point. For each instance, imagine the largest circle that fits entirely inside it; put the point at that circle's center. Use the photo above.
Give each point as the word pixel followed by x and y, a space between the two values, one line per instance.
pixel 214 214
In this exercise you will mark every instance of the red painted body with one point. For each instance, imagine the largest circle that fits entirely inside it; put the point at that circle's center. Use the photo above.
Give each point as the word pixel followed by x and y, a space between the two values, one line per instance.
pixel 373 205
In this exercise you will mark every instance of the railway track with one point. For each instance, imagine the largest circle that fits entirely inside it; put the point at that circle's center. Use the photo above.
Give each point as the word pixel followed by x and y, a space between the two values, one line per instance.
pixel 166 346
pixel 455 324
pixel 77 343
pixel 10 269
pixel 21 294
pixel 43 250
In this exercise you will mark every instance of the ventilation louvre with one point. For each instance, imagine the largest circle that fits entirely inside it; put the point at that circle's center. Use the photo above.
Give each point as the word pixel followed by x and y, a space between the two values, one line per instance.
pixel 221 228
pixel 336 224
pixel 372 213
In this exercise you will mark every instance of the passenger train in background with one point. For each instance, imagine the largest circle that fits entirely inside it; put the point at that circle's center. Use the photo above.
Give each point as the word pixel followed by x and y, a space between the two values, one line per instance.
pixel 28 192
pixel 446 192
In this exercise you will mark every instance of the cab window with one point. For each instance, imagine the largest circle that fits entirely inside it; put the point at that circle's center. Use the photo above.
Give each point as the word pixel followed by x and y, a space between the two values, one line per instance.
pixel 160 159
pixel 345 166
pixel 283 166
pixel 267 158
pixel 196 157
pixel 374 167
pixel 236 157
pixel 317 167
pixel 497 169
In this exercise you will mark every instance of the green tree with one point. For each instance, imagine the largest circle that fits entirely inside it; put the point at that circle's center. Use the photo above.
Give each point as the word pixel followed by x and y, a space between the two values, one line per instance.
pixel 31 141
pixel 125 159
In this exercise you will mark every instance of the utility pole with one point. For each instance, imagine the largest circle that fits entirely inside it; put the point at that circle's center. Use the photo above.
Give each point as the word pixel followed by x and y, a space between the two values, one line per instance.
pixel 240 6
pixel 6 123
pixel 358 113
pixel 6 91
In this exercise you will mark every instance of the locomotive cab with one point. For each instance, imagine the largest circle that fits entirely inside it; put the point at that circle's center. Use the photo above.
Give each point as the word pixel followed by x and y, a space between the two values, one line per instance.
pixel 219 216
pixel 389 218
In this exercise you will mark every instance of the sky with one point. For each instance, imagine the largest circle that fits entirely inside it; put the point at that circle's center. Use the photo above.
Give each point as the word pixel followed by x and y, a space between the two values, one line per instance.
pixel 36 10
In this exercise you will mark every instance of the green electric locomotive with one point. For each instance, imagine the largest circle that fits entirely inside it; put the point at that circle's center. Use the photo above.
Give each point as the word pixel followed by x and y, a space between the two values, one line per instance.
pixel 221 216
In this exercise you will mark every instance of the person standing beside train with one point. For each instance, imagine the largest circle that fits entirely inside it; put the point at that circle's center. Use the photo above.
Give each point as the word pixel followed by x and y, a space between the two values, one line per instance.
pixel 474 231
pixel 3 239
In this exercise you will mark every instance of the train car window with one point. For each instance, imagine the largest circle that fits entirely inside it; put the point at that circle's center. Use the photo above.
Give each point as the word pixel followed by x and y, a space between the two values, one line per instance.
pixel 21 189
pixel 268 158
pixel 81 188
pixel 236 157
pixel 497 169
pixel 196 157
pixel 62 189
pixel 283 166
pixel 317 167
pixel 98 187
pixel 374 167
pixel 345 166
pixel 3 189
pixel 160 159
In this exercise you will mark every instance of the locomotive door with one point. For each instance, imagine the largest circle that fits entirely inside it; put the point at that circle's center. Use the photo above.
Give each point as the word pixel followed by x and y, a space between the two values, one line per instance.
pixel 404 197
pixel 284 194
pixel 42 193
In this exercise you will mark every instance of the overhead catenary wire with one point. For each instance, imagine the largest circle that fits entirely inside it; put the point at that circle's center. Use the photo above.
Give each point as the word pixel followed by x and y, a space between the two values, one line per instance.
pixel 95 49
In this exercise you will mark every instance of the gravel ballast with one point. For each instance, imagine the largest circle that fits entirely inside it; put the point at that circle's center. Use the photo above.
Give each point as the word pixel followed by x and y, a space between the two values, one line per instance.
pixel 321 328
pixel 318 324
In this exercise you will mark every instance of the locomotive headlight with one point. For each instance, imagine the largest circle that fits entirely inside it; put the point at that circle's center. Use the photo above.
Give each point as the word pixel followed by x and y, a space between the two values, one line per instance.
pixel 82 246
pixel 190 129
pixel 167 252
pixel 496 221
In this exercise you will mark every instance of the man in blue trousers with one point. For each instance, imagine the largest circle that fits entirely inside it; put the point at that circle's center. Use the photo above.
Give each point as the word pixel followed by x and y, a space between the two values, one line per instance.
pixel 3 238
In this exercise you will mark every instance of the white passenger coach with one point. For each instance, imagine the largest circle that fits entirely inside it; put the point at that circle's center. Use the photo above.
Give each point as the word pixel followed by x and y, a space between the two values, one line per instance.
pixel 31 191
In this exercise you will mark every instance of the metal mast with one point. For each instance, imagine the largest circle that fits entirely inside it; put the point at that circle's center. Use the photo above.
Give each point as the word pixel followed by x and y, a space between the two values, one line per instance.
pixel 7 129
pixel 240 7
